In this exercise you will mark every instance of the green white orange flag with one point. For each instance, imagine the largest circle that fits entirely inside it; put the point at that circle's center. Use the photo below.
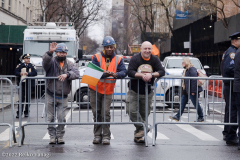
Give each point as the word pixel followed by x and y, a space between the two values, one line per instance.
pixel 92 74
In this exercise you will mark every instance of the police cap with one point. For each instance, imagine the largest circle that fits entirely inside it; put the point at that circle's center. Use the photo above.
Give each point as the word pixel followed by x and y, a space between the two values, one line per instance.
pixel 235 36
pixel 26 56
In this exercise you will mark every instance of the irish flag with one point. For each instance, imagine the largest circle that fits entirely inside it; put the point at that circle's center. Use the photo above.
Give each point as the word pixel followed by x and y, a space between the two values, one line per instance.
pixel 92 74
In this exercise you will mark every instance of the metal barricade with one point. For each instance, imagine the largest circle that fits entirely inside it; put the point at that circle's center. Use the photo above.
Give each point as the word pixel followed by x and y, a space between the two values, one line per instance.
pixel 161 93
pixel 6 99
pixel 78 108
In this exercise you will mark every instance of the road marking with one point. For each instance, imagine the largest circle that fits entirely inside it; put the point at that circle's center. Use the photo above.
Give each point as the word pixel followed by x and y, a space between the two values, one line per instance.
pixel 216 121
pixel 197 133
pixel 4 136
pixel 159 135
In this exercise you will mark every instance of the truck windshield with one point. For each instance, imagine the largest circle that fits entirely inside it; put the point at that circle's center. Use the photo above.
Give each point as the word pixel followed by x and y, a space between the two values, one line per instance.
pixel 38 48
pixel 177 63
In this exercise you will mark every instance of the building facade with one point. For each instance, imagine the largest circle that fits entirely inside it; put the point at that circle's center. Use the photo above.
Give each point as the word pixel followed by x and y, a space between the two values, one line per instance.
pixel 19 12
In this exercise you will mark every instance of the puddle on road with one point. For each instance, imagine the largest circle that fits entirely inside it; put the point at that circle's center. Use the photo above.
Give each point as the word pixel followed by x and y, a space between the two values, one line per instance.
pixel 63 149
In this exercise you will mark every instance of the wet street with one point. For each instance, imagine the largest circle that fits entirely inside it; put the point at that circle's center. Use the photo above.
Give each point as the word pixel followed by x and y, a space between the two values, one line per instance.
pixel 173 141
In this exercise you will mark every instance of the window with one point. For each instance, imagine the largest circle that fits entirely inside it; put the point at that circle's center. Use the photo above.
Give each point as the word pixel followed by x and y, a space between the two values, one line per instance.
pixel 2 3
pixel 27 14
pixel 9 5
pixel 15 12
pixel 23 11
pixel 19 10
pixel 30 18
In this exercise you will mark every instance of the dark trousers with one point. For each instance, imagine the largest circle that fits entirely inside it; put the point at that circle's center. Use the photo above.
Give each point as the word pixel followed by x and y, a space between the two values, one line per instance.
pixel 230 131
pixel 237 95
pixel 194 100
pixel 26 96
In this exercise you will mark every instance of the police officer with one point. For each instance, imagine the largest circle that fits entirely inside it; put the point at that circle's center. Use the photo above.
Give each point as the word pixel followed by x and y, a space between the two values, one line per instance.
pixel 29 70
pixel 228 66
pixel 236 86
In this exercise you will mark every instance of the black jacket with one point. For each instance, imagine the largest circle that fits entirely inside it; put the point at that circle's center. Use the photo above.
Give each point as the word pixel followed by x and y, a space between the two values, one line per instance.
pixel 236 84
pixel 228 64
pixel 137 61
pixel 192 72
pixel 30 69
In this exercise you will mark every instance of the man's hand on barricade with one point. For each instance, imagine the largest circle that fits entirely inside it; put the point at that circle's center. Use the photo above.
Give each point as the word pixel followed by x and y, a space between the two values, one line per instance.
pixel 113 74
pixel 147 77
pixel 62 77
pixel 26 73
pixel 107 74
pixel 21 74
pixel 53 47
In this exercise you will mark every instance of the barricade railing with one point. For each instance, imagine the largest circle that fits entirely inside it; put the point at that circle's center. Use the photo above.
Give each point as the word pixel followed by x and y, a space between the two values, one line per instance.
pixel 6 99
pixel 173 86
pixel 79 111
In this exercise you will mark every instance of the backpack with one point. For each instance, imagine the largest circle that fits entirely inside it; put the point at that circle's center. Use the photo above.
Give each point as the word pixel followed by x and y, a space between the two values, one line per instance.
pixel 201 81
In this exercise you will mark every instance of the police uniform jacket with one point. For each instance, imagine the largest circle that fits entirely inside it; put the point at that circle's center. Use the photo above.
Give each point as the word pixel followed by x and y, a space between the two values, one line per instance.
pixel 30 69
pixel 228 64
pixel 236 85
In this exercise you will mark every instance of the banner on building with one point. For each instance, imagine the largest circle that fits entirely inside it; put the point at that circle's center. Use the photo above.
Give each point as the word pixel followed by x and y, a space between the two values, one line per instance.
pixel 181 9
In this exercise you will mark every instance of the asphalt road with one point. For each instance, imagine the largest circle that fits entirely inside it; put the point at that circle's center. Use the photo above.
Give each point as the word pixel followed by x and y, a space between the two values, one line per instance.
pixel 174 141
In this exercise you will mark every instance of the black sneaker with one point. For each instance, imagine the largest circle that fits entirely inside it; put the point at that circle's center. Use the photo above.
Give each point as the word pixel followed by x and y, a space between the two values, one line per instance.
pixel 174 118
pixel 17 116
pixel 26 114
pixel 233 142
pixel 200 120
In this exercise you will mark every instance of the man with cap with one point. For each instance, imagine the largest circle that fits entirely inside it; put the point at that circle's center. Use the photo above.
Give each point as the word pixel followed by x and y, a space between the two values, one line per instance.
pixel 113 67
pixel 227 68
pixel 236 87
pixel 147 68
pixel 58 89
pixel 26 69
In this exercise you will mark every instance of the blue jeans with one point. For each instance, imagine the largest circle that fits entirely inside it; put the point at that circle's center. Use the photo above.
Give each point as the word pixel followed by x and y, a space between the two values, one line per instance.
pixel 184 101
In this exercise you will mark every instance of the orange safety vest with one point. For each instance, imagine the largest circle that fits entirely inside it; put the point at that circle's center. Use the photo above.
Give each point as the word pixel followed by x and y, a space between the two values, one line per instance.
pixel 105 86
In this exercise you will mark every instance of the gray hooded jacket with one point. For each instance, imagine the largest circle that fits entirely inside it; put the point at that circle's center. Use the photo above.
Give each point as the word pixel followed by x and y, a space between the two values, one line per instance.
pixel 53 69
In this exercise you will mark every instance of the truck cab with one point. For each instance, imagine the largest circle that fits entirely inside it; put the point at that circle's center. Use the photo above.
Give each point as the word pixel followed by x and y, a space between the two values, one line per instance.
pixel 37 40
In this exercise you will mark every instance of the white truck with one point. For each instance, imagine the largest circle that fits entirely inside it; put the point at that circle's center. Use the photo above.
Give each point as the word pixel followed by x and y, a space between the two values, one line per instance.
pixel 37 41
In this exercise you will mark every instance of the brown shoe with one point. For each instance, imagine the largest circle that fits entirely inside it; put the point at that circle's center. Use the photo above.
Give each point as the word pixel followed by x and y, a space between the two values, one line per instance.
pixel 52 140
pixel 139 134
pixel 60 140
pixel 139 140
pixel 97 140
pixel 106 142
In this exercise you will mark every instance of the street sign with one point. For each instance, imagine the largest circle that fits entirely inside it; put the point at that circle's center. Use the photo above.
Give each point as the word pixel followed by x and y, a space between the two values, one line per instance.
pixel 84 48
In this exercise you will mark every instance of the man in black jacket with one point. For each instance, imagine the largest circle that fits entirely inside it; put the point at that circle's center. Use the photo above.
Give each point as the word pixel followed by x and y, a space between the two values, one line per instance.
pixel 146 67
pixel 236 88
pixel 25 69
pixel 228 67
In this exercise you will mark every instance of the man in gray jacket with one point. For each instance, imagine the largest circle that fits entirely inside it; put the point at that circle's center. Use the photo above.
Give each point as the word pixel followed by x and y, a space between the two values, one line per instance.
pixel 58 89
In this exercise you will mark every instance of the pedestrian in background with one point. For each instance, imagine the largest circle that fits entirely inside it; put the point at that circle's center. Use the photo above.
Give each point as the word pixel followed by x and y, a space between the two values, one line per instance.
pixel 58 90
pixel 192 92
pixel 113 67
pixel 146 67
pixel 228 67
pixel 29 70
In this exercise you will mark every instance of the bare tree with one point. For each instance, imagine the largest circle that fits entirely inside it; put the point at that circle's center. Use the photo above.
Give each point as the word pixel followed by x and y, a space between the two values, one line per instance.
pixel 81 12
pixel 143 11
pixel 91 45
